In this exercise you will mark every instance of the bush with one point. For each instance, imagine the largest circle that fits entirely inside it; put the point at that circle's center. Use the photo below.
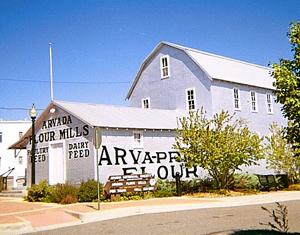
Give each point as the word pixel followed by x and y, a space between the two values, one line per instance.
pixel 197 185
pixel 38 192
pixel 88 191
pixel 63 193
pixel 165 188
pixel 246 181
pixel 295 187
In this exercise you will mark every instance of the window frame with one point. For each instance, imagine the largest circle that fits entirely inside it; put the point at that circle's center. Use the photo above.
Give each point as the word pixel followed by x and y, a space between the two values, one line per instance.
pixel 255 102
pixel 271 103
pixel 238 98
pixel 136 144
pixel 187 100
pixel 167 57
pixel 143 104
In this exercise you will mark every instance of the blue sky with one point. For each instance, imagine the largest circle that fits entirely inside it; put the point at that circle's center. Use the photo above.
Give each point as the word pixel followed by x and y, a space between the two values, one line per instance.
pixel 104 42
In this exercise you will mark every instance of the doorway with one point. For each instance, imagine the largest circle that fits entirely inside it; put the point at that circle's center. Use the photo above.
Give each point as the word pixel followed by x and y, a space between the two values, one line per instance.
pixel 56 164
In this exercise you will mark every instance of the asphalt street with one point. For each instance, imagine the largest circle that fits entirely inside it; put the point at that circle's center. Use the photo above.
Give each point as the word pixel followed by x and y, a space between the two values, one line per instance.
pixel 200 221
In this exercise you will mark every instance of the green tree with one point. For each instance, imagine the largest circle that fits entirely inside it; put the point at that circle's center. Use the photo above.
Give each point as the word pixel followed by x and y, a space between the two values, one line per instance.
pixel 287 84
pixel 220 145
pixel 280 154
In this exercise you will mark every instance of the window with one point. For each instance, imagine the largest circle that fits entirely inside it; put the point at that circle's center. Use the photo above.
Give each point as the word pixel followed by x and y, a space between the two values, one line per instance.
pixel 269 103
pixel 253 101
pixel 0 137
pixel 236 99
pixel 146 103
pixel 20 160
pixel 190 99
pixel 164 67
pixel 137 139
pixel 20 134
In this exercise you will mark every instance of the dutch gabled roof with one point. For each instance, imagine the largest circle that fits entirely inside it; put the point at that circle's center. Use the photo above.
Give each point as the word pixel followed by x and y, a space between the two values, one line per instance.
pixel 109 116
pixel 218 67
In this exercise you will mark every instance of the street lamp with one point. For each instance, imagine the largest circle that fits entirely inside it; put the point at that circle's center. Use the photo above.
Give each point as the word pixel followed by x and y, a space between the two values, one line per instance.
pixel 32 114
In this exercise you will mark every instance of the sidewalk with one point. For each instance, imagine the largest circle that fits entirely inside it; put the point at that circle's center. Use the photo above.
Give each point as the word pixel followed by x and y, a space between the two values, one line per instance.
pixel 19 217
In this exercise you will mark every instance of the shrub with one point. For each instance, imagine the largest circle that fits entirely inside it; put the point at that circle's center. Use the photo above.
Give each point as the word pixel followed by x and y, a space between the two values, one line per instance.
pixel 63 193
pixel 38 192
pixel 88 191
pixel 165 188
pixel 246 181
pixel 69 199
pixel 295 187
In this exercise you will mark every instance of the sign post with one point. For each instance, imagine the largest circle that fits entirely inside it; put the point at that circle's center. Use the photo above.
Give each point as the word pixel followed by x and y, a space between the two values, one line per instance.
pixel 97 143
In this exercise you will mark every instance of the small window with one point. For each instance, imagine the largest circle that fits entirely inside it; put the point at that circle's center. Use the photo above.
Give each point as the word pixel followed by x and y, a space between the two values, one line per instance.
pixel 269 103
pixel 0 137
pixel 20 134
pixel 164 67
pixel 137 139
pixel 146 103
pixel 236 99
pixel 253 101
pixel 190 99
pixel 20 160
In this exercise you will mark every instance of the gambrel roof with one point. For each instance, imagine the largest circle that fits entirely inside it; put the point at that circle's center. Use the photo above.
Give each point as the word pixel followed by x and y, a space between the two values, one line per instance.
pixel 218 67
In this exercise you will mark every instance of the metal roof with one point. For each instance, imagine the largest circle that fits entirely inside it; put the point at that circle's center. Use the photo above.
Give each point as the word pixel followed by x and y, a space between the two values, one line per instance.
pixel 121 117
pixel 109 116
pixel 218 67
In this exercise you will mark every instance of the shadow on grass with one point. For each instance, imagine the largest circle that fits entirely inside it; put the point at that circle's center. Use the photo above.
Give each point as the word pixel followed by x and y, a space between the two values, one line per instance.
pixel 260 232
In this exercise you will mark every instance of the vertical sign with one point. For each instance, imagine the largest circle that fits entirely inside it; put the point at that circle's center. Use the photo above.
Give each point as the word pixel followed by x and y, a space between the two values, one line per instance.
pixel 97 143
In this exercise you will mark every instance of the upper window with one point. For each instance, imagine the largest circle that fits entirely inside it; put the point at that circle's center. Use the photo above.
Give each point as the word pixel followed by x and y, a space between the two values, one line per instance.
pixel 137 139
pixel 269 103
pixel 164 66
pixel 236 99
pixel 20 134
pixel 190 99
pixel 253 101
pixel 146 103
pixel 0 137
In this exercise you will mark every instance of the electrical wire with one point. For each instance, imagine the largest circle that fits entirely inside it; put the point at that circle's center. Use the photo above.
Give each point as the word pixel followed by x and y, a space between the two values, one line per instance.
pixel 65 82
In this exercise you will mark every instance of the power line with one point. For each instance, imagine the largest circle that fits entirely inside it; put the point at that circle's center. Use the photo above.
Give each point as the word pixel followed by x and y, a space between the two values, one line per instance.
pixel 64 82
pixel 16 108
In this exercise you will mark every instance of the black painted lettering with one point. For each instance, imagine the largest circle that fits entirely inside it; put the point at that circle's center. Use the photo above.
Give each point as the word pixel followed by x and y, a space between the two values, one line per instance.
pixel 128 170
pixel 134 157
pixel 62 134
pixel 174 171
pixel 147 158
pixel 162 172
pixel 85 130
pixel 173 155
pixel 104 158
pixel 191 171
pixel 120 153
pixel 161 156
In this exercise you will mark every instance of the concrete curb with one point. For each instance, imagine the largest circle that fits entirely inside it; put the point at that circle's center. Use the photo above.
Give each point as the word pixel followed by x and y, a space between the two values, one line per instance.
pixel 139 210
pixel 16 228
pixel 107 214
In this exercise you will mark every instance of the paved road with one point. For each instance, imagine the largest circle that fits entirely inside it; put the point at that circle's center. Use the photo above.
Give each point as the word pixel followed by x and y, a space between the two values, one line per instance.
pixel 200 221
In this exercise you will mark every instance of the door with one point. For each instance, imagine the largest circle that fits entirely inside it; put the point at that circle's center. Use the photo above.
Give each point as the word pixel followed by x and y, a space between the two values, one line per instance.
pixel 56 164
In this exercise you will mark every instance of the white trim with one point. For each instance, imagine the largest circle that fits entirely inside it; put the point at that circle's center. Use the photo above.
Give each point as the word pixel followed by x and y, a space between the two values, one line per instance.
pixel 194 98
pixel 271 102
pixel 143 105
pixel 239 98
pixel 163 67
pixel 255 101
pixel 135 144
